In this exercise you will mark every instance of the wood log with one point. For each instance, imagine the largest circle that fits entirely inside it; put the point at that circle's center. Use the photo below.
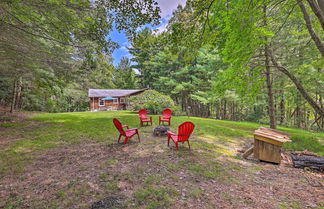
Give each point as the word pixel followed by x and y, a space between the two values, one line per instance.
pixel 302 161
pixel 248 152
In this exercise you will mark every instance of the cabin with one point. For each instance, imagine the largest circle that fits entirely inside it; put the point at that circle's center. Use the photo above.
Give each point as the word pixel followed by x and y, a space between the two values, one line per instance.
pixel 111 99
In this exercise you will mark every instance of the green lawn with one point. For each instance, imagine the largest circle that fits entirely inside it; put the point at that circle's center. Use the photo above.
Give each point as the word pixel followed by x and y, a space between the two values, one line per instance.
pixel 212 142
pixel 58 128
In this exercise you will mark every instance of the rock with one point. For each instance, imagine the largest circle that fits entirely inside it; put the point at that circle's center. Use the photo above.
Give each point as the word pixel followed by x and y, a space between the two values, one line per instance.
pixel 107 203
pixel 311 205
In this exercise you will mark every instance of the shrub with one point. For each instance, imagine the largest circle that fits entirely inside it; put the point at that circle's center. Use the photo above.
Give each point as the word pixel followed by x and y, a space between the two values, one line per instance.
pixel 155 102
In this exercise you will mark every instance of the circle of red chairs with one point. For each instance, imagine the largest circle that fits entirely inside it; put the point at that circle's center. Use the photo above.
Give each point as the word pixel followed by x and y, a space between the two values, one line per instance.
pixel 183 134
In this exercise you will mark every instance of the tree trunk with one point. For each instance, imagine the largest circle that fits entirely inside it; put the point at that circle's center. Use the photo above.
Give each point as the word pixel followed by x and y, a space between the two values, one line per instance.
pixel 310 29
pixel 321 5
pixel 271 107
pixel 317 11
pixel 233 111
pixel 298 111
pixel 217 111
pixel 14 92
pixel 321 122
pixel 18 93
pixel 282 109
pixel 298 84
pixel 224 110
pixel 209 112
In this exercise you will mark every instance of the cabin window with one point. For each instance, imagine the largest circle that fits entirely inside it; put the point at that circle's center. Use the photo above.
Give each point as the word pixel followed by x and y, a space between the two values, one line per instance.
pixel 101 102
pixel 115 101
pixel 122 100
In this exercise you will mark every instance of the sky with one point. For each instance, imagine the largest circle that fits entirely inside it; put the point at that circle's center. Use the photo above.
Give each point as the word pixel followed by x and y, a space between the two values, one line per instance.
pixel 167 7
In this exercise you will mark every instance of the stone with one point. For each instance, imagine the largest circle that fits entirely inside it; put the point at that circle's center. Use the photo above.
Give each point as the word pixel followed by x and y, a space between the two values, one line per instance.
pixel 108 202
pixel 161 131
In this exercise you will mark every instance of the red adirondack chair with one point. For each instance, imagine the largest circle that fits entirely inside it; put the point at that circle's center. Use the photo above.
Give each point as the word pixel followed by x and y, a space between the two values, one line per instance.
pixel 128 133
pixel 184 132
pixel 144 118
pixel 166 116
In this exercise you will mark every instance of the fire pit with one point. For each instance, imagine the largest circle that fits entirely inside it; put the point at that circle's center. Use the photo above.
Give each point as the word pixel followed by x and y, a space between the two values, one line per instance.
pixel 160 131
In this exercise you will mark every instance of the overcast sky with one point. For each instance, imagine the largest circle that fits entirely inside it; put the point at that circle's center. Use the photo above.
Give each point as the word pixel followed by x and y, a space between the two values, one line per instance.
pixel 167 7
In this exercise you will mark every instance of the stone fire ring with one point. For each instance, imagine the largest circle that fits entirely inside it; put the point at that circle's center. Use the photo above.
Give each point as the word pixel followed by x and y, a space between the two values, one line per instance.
pixel 161 131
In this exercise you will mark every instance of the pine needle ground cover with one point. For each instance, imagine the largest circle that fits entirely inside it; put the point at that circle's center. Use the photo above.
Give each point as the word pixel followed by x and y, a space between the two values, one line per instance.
pixel 70 160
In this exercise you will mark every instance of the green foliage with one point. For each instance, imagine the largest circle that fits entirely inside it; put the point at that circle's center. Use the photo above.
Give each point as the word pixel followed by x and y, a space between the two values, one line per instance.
pixel 145 45
pixel 211 60
pixel 7 125
pixel 151 100
pixel 124 76
pixel 176 110
pixel 301 141
pixel 58 50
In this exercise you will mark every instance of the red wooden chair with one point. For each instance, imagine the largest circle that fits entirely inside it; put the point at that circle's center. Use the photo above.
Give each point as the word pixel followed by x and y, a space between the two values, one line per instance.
pixel 144 118
pixel 184 132
pixel 127 133
pixel 166 116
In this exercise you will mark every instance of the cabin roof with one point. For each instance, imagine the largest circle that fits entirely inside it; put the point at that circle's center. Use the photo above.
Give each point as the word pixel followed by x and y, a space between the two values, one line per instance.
pixel 114 92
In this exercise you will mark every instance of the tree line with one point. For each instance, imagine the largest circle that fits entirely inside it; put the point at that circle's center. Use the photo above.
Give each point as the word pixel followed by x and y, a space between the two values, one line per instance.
pixel 236 60
pixel 51 52
pixel 257 60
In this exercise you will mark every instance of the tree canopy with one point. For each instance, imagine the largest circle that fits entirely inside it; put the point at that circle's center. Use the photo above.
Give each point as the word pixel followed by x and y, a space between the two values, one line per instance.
pixel 51 51
pixel 260 60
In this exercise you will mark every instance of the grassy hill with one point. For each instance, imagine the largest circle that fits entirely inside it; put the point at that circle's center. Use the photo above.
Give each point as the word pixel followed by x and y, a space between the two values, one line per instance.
pixel 72 159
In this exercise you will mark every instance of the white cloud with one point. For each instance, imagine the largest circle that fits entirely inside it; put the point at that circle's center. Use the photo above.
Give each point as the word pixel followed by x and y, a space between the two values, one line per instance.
pixel 168 6
pixel 130 56
pixel 162 27
pixel 124 48
pixel 136 71
pixel 126 43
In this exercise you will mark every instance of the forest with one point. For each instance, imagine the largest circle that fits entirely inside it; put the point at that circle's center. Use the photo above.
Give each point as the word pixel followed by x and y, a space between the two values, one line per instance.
pixel 258 60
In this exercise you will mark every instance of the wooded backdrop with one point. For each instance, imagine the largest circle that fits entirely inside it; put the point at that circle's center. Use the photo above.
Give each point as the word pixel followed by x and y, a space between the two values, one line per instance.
pixel 259 60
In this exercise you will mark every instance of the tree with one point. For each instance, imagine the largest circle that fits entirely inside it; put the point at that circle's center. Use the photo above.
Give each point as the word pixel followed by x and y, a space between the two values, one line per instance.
pixel 243 33
pixel 247 47
pixel 151 100
pixel 124 76
pixel 68 40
